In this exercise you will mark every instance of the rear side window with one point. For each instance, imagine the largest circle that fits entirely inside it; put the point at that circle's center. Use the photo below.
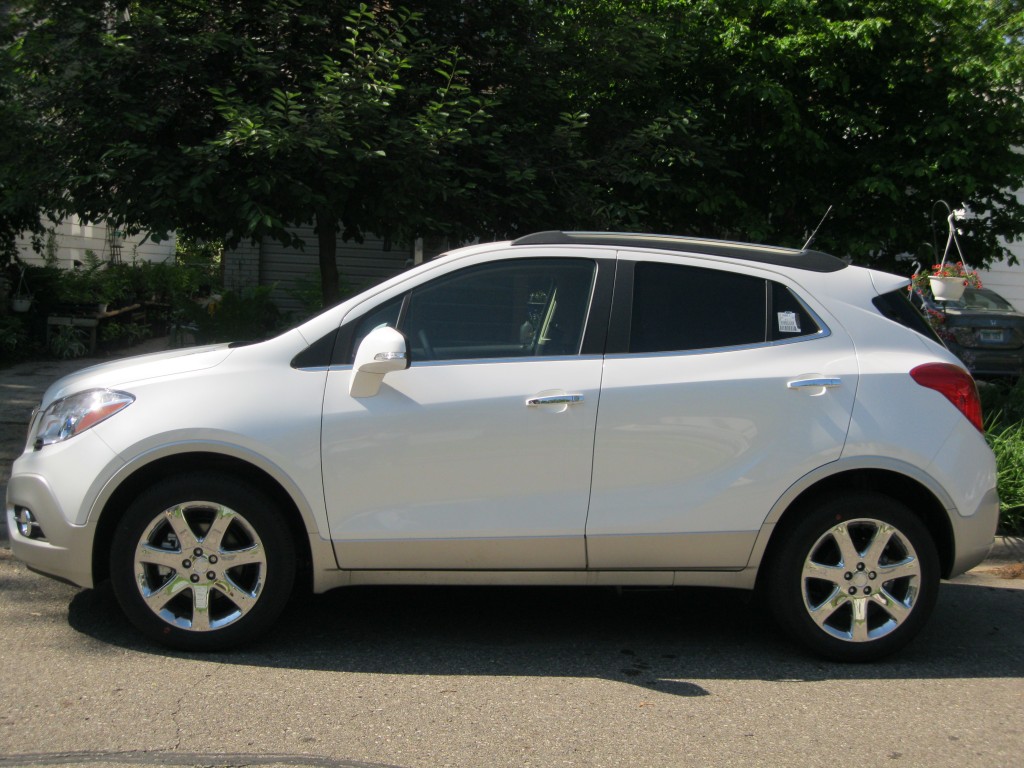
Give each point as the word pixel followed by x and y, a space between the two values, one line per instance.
pixel 679 308
pixel 897 307
pixel 788 318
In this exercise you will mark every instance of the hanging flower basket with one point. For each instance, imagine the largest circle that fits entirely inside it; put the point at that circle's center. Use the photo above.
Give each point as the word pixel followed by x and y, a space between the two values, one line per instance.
pixel 947 288
pixel 948 281
pixel 21 303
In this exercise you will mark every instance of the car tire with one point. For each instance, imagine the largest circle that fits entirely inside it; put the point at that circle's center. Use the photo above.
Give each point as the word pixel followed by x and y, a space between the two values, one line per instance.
pixel 856 578
pixel 202 562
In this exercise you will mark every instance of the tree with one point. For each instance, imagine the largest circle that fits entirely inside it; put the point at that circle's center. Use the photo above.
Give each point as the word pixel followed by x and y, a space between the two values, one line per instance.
pixel 21 199
pixel 719 118
pixel 242 120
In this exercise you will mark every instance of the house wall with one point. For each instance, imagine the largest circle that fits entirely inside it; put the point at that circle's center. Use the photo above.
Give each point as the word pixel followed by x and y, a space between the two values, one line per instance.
pixel 72 239
pixel 293 271
pixel 1006 280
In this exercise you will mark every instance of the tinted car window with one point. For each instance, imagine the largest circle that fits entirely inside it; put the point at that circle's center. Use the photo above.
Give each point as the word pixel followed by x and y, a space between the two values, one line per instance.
pixel 678 308
pixel 526 307
pixel 384 315
pixel 789 318
pixel 897 307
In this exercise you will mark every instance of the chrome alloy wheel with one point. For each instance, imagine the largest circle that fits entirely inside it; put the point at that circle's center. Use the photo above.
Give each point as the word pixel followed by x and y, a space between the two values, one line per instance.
pixel 200 566
pixel 861 580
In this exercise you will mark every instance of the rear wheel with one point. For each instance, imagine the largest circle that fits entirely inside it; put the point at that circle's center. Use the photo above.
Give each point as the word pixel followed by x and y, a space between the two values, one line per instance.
pixel 856 579
pixel 202 562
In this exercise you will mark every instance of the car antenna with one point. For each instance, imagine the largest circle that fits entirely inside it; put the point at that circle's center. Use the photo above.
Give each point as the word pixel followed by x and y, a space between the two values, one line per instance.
pixel 815 232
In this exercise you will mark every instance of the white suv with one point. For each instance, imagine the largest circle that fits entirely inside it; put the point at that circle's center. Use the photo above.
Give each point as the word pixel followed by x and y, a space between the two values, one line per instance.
pixel 567 408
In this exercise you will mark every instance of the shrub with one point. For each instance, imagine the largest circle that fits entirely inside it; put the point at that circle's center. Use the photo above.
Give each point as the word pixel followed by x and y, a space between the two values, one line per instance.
pixel 68 342
pixel 14 341
pixel 1008 445
pixel 1003 404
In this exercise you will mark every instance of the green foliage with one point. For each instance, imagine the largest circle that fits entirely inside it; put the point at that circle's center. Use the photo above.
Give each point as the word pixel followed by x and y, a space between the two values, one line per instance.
pixel 129 334
pixel 1008 445
pixel 67 342
pixel 707 117
pixel 14 339
pixel 95 282
pixel 247 316
pixel 1003 402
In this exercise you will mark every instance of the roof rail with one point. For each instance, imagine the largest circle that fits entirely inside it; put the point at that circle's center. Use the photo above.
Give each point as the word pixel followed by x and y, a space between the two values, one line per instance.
pixel 810 260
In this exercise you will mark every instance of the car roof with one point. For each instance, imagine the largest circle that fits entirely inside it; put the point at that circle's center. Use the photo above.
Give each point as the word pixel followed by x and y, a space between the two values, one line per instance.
pixel 809 260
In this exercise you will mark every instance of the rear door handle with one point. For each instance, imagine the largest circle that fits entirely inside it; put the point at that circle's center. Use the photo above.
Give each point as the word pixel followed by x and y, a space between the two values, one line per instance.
pixel 554 400
pixel 816 383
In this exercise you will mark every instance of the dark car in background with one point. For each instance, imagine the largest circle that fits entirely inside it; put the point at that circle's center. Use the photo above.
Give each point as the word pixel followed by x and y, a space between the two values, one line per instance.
pixel 981 328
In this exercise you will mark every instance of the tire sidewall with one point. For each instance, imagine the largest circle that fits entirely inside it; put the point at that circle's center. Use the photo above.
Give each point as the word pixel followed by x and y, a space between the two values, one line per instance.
pixel 258 510
pixel 785 581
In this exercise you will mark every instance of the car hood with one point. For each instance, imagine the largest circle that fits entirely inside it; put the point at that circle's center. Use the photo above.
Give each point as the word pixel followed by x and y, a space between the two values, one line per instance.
pixel 130 369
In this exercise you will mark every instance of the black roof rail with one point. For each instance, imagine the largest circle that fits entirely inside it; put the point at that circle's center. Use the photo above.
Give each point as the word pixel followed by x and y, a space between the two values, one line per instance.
pixel 810 260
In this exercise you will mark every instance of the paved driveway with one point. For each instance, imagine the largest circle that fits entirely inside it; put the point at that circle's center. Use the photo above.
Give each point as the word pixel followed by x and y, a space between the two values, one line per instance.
pixel 416 677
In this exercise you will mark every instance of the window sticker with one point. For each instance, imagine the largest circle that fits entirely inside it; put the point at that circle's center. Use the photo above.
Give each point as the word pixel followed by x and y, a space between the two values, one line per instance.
pixel 789 322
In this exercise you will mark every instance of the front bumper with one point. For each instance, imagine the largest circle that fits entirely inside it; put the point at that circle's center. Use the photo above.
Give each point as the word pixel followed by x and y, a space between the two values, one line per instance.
pixel 54 547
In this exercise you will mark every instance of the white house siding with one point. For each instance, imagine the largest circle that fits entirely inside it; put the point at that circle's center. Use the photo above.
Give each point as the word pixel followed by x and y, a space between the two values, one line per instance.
pixel 72 239
pixel 1008 281
pixel 361 265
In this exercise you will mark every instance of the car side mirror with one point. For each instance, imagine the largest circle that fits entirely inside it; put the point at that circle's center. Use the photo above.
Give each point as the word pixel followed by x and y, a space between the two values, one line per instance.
pixel 382 351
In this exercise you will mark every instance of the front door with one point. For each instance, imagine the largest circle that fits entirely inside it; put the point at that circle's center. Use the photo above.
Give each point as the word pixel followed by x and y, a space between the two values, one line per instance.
pixel 478 456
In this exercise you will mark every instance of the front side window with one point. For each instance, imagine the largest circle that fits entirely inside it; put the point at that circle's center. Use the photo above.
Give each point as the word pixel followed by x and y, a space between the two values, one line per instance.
pixel 515 308
pixel 521 308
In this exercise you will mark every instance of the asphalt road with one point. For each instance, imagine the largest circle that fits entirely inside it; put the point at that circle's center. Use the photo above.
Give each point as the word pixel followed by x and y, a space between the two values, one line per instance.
pixel 418 677
pixel 505 677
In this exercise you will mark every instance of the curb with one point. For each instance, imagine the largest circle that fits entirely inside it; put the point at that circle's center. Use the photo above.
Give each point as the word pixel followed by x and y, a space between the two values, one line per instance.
pixel 1005 549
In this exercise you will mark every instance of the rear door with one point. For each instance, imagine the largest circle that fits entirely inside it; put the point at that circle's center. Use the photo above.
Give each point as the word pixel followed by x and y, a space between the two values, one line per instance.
pixel 721 388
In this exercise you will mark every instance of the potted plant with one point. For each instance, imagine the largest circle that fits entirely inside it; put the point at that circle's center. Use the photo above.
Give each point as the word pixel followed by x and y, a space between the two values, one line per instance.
pixel 947 280
pixel 90 287
pixel 21 301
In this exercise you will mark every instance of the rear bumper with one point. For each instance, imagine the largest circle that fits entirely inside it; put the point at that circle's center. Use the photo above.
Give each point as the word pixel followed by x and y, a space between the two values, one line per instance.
pixel 975 534
pixel 990 362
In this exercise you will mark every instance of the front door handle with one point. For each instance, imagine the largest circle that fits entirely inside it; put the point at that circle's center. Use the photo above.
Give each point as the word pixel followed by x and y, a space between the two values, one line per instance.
pixel 816 383
pixel 554 400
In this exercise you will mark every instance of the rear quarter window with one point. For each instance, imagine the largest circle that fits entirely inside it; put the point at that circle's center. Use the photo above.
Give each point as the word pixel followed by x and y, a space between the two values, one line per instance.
pixel 897 307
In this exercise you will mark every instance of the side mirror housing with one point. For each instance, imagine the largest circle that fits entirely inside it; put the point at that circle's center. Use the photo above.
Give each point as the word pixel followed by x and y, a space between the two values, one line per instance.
pixel 382 351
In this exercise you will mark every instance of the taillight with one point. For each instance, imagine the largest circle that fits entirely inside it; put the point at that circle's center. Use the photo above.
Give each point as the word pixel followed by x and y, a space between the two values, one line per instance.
pixel 955 384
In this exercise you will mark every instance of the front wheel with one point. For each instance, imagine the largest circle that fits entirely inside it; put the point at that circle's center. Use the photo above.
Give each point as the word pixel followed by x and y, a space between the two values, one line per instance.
pixel 202 562
pixel 856 579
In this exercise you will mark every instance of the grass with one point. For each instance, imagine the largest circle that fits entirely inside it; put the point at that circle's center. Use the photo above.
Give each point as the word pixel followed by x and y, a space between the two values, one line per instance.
pixel 1005 433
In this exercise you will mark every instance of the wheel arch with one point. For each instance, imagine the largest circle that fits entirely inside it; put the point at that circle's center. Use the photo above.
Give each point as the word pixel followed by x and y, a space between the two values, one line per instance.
pixel 912 492
pixel 129 487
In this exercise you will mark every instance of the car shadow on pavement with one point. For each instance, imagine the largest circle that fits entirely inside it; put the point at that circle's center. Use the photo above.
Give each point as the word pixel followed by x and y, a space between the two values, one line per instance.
pixel 665 640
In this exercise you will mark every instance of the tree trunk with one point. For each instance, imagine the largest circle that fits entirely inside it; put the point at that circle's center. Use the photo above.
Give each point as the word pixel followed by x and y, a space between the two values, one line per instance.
pixel 327 237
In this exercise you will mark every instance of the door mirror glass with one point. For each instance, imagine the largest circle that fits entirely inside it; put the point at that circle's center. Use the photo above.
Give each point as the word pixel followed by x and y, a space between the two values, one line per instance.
pixel 381 352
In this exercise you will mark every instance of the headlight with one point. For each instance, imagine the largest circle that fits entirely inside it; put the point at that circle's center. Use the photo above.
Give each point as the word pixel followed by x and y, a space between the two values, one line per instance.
pixel 74 414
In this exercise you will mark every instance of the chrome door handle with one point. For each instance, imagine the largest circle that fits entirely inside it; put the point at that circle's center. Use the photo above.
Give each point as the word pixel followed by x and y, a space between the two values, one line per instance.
pixel 554 400
pixel 815 383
